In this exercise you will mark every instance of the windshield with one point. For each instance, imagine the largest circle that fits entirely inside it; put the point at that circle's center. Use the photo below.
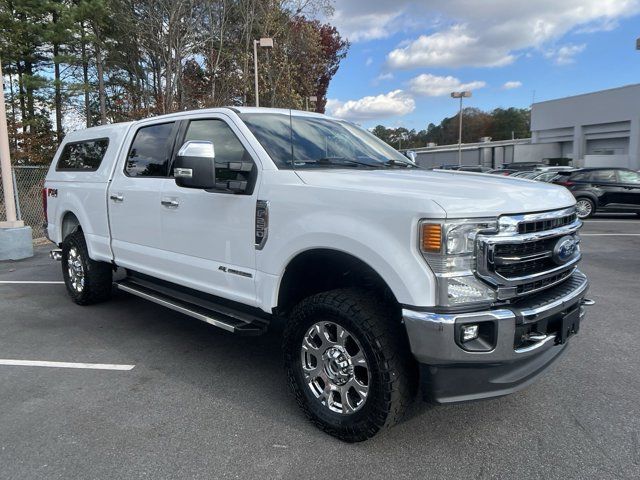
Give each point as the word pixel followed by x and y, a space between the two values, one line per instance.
pixel 301 142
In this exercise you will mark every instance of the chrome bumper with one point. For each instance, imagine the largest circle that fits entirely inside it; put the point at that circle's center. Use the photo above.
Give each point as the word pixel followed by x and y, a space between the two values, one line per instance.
pixel 432 336
pixel 527 337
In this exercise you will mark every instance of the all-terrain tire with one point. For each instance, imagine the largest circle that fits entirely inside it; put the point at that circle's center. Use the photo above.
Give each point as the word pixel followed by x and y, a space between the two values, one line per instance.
pixel 95 283
pixel 392 377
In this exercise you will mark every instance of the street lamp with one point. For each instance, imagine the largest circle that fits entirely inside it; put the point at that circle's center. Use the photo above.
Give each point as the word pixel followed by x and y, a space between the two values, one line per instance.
pixel 264 43
pixel 312 99
pixel 638 43
pixel 460 95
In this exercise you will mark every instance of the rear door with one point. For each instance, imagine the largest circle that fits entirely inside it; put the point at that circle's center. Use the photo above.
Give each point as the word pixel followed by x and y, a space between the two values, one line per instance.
pixel 605 186
pixel 630 184
pixel 134 199
pixel 209 236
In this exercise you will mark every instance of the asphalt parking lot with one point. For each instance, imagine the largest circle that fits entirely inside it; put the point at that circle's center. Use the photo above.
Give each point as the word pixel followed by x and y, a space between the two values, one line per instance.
pixel 201 403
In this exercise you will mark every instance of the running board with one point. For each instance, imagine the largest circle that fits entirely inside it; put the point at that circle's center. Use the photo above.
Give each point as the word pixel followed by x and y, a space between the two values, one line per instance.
pixel 221 316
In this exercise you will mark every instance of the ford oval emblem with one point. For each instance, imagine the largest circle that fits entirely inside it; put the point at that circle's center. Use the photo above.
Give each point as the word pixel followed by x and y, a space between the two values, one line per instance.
pixel 565 249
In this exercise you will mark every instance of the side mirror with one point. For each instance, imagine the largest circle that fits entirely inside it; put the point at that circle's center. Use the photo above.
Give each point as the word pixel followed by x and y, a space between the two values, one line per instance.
pixel 411 155
pixel 195 165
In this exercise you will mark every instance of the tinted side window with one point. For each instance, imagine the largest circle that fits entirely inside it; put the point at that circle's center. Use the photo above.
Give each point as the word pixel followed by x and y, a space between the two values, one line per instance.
pixel 226 145
pixel 628 176
pixel 150 152
pixel 580 176
pixel 86 155
pixel 604 176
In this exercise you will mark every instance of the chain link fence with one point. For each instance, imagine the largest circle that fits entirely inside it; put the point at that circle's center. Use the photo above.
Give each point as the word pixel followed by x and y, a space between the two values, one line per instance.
pixel 28 182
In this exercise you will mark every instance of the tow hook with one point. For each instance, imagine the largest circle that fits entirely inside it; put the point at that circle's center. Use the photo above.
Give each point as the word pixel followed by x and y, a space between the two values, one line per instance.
pixel 56 254
pixel 587 302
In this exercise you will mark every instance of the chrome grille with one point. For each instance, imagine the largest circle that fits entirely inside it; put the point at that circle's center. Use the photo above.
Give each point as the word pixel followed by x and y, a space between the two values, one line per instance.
pixel 523 256
pixel 546 224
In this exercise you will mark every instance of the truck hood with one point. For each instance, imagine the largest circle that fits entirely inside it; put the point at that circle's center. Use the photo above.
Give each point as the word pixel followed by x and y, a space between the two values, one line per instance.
pixel 460 194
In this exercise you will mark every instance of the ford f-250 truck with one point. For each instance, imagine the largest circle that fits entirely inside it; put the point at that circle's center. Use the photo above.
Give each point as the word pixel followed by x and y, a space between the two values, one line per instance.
pixel 389 277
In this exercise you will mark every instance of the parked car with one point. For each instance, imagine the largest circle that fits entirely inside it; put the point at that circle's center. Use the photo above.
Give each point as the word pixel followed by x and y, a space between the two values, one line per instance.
pixel 465 168
pixel 545 176
pixel 555 168
pixel 502 171
pixel 523 174
pixel 385 276
pixel 519 166
pixel 602 189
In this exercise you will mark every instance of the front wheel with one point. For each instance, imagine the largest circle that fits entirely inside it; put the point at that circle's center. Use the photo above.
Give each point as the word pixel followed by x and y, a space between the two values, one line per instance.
pixel 87 281
pixel 348 363
pixel 585 208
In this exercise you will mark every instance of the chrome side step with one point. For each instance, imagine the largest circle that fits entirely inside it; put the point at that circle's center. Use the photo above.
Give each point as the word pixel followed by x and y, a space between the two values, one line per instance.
pixel 220 316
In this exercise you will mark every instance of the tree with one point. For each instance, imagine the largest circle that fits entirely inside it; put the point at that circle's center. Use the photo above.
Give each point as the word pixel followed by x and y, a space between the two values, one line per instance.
pixel 498 124
pixel 92 62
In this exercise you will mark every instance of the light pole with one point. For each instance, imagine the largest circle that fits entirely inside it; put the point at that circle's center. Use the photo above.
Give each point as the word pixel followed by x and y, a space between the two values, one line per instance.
pixel 264 43
pixel 312 99
pixel 460 95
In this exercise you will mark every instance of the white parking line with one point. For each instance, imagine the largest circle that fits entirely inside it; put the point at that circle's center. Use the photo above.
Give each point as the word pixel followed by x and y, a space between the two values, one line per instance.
pixel 636 221
pixel 91 366
pixel 7 282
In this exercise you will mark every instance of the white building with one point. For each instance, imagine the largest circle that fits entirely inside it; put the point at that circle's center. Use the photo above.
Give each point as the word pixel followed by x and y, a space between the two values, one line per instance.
pixel 595 129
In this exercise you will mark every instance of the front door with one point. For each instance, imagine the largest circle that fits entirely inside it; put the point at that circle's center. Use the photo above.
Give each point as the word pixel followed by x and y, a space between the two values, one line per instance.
pixel 210 235
pixel 630 183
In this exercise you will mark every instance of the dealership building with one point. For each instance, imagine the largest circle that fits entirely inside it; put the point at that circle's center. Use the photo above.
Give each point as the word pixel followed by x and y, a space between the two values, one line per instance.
pixel 595 129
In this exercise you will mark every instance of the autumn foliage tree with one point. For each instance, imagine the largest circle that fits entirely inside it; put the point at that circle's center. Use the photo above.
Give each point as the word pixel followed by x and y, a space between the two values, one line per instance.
pixel 75 63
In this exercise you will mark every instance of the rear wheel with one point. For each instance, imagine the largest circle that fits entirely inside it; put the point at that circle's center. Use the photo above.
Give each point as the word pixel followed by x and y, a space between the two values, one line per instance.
pixel 585 208
pixel 348 364
pixel 87 281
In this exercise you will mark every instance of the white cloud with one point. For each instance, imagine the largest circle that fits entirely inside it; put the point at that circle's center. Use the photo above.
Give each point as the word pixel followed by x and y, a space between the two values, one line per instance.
pixel 565 54
pixel 510 85
pixel 455 47
pixel 384 105
pixel 435 86
pixel 369 62
pixel 383 77
pixel 454 33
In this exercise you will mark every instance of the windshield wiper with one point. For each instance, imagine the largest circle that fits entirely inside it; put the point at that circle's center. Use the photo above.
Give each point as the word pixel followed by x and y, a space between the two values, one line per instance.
pixel 343 161
pixel 399 163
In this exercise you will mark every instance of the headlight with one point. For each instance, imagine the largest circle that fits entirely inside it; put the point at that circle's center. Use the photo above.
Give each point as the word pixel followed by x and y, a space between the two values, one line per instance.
pixel 449 249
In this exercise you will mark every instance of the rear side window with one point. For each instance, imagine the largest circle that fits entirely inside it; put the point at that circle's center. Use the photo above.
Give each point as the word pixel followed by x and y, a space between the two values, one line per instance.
pixel 83 156
pixel 579 177
pixel 150 151
pixel 604 176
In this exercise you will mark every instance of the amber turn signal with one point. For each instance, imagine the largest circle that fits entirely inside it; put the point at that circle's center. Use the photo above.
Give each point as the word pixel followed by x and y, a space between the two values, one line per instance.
pixel 431 238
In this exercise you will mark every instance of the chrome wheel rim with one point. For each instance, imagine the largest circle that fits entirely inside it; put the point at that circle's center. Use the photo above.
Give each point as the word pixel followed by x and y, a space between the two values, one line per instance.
pixel 335 368
pixel 584 208
pixel 75 270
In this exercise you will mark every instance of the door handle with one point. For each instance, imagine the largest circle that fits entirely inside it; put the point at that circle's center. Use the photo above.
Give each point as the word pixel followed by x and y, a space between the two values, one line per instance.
pixel 170 203
pixel 117 198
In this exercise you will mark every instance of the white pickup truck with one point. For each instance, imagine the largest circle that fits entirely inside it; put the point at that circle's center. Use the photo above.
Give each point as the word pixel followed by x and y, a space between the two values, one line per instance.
pixel 388 277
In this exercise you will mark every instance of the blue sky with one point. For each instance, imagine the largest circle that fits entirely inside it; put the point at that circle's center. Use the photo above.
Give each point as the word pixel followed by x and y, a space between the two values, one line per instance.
pixel 407 56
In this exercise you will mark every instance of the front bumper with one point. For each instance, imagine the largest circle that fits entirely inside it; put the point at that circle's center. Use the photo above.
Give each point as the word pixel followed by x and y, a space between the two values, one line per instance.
pixel 506 362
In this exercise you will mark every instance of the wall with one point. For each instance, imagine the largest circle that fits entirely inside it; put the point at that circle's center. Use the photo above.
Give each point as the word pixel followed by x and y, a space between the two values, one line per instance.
pixel 583 124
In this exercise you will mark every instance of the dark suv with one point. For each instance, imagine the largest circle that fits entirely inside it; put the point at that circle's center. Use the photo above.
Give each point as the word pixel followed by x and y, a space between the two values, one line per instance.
pixel 603 189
